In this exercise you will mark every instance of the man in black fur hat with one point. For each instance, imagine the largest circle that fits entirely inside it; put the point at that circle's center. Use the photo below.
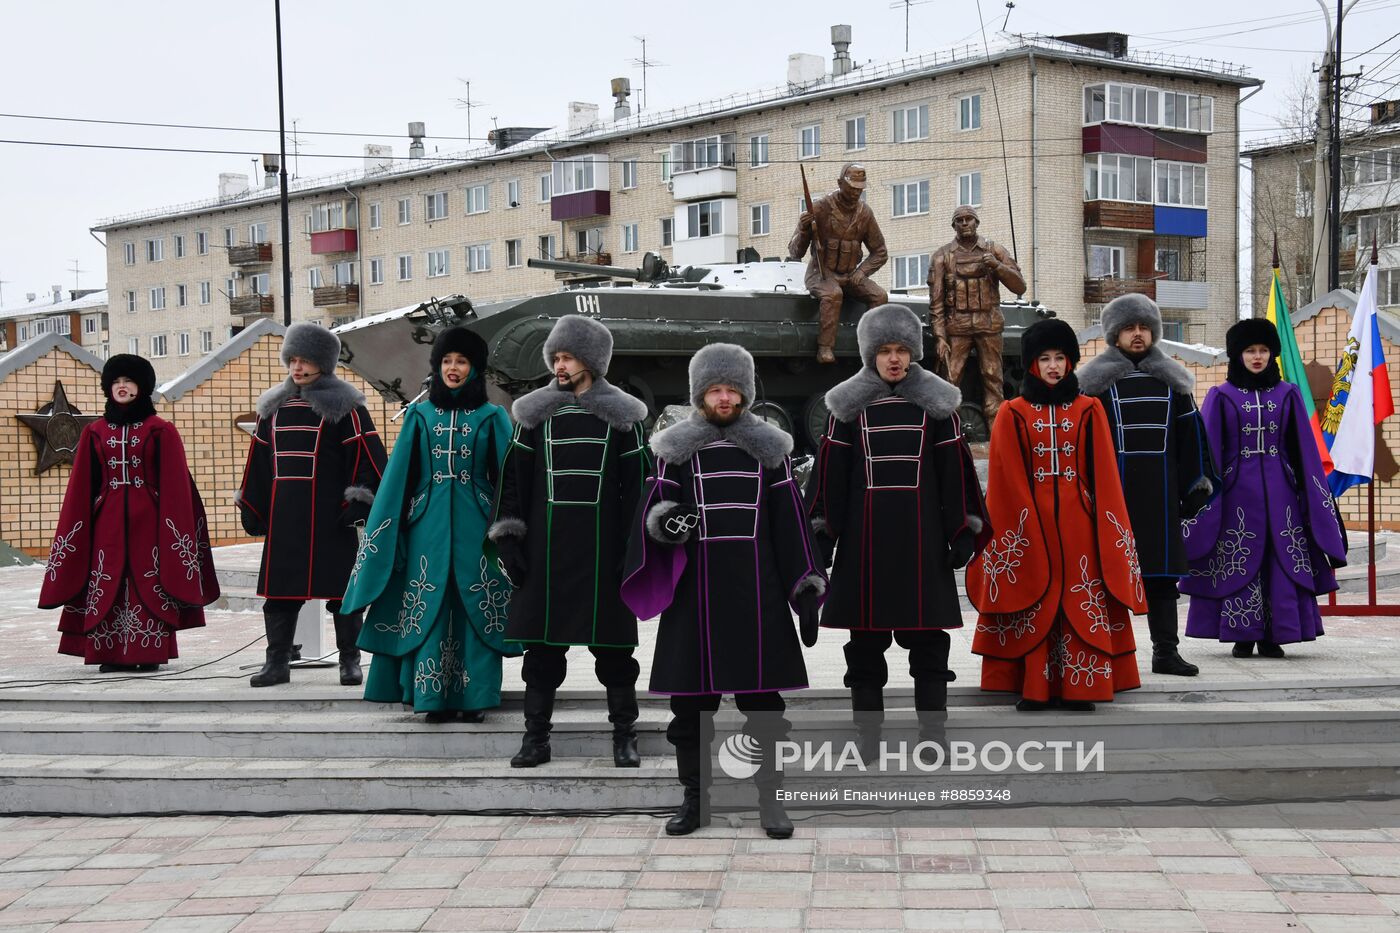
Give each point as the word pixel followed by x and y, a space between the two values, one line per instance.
pixel 896 487
pixel 568 489
pixel 721 550
pixel 1165 462
pixel 313 466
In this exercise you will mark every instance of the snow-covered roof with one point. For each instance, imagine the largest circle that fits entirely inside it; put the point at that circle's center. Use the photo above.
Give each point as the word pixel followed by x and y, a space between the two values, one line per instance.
pixel 42 308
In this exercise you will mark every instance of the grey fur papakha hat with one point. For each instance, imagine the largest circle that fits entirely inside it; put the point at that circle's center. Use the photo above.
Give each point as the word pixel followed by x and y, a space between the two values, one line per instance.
pixel 1130 309
pixel 311 342
pixel 721 364
pixel 889 324
pixel 588 340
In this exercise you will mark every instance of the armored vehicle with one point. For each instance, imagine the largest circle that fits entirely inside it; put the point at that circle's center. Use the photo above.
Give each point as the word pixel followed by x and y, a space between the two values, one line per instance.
pixel 659 317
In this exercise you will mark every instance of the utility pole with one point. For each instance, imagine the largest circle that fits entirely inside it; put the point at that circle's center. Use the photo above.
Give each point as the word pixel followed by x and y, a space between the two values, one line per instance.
pixel 1327 156
pixel 1334 243
pixel 282 178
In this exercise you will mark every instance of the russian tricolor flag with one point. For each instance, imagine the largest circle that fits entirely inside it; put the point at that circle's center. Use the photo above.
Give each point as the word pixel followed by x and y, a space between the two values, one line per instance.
pixel 1361 397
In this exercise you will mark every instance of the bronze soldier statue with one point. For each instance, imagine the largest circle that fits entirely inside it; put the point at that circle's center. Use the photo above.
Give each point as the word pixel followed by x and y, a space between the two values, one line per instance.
pixel 841 224
pixel 964 297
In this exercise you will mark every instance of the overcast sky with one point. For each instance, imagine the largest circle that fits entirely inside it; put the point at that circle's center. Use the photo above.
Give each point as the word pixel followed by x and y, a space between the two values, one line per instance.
pixel 361 68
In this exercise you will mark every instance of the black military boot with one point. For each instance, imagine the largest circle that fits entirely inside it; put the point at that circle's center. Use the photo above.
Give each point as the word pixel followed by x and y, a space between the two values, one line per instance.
pixel 931 706
pixel 1161 622
pixel 689 815
pixel 281 627
pixel 534 747
pixel 622 713
pixel 347 632
pixel 1269 649
pixel 1243 649
pixel 868 714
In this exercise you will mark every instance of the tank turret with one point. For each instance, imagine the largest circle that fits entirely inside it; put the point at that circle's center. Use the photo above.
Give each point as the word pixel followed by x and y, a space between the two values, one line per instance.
pixel 653 268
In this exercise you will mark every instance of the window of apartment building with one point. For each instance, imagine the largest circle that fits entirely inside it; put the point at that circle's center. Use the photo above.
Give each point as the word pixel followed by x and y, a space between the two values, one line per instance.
pixel 970 189
pixel 1109 177
pixel 437 263
pixel 513 193
pixel 133 345
pixel 155 250
pixel 129 253
pixel 182 296
pixel 405 211
pixel 855 133
pixel 758 219
pixel 157 346
pixel 629 173
pixel 758 150
pixel 89 325
pixel 705 152
pixel 706 219
pixel 344 272
pixel 1387 286
pixel 515 250
pixel 376 215
pixel 479 257
pixel 1106 262
pixel 435 206
pixel 910 123
pixel 1383 228
pixel 230 239
pixel 158 298
pixel 314 278
pixel 911 271
pixel 376 272
pixel 970 112
pixel 546 188
pixel 231 287
pixel 257 233
pixel 911 198
pixel 667 230
pixel 809 142
pixel 1168 264
pixel 478 199
pixel 1148 106
pixel 1181 184
pixel 206 341
pixel 588 241
pixel 1371 168
pixel 546 247
pixel 179 246
pixel 579 173
pixel 333 215
pixel 182 344
pixel 1188 112
pixel 664 157
pixel 405 262
pixel 630 237
pixel 201 243
pixel 260 284
pixel 206 292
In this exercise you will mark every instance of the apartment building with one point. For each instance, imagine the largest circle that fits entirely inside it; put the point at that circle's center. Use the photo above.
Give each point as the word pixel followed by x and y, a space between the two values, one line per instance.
pixel 1283 204
pixel 1106 171
pixel 81 317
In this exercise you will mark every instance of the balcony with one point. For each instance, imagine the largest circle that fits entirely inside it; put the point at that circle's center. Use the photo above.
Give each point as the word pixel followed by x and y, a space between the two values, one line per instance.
pixel 715 181
pixel 1190 296
pixel 1118 215
pixel 248 306
pixel 596 259
pixel 335 296
pixel 580 204
pixel 250 254
pixel 334 241
pixel 1102 291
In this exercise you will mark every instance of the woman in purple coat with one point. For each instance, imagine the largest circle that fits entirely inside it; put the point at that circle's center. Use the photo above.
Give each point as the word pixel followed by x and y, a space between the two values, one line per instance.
pixel 1263 550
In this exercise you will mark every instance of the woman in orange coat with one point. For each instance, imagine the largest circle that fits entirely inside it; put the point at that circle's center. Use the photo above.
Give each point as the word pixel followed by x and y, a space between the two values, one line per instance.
pixel 1056 586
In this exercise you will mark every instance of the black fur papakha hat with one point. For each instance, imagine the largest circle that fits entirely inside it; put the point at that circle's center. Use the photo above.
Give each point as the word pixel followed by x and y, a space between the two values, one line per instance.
pixel 136 368
pixel 1248 332
pixel 1131 308
pixel 889 324
pixel 1049 334
pixel 463 341
pixel 314 343
pixel 721 364
pixel 588 340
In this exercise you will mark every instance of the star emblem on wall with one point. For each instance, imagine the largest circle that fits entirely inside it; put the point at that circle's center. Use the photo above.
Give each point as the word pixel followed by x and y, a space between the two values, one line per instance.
pixel 56 427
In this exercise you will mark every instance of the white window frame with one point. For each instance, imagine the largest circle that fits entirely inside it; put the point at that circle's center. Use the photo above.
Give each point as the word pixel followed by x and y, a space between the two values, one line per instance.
pixel 206 292
pixel 405 211
pixel 155 249
pixel 206 341
pixel 376 215
pixel 515 253
pixel 478 198
pixel 179 245
pixel 257 233
pixel 918 264
pixel 909 124
pixel 129 253
pixel 1117 259
pixel 376 271
pixel 130 301
pixel 404 267
pixel 705 214
pixel 315 278
pixel 260 284
pixel 182 343
pixel 969 189
pixel 631 236
pixel 910 198
pixel 547 245
pixel 201 243
pixel 855 141
pixel 230 237
pixel 668 232
pixel 579 173
pixel 1105 171
pixel 479 257
pixel 133 345
pixel 546 187
pixel 182 296
pixel 439 263
pixel 159 346
pixel 157 298
pixel 231 287
pixel 969 113
pixel 512 193
pixel 1171 184
pixel 758 150
pixel 343 272
pixel 760 219
pixel 629 174
pixel 809 141
pixel 434 207
pixel 664 158
pixel 90 325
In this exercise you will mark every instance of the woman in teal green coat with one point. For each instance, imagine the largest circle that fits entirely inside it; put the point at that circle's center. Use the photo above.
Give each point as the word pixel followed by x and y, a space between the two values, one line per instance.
pixel 437 607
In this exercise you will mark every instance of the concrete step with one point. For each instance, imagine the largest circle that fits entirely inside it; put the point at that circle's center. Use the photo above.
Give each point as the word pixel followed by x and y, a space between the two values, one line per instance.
pixel 125 785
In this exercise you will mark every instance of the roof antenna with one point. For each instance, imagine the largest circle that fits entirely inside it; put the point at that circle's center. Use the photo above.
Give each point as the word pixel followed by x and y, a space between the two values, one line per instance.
pixel 1010 5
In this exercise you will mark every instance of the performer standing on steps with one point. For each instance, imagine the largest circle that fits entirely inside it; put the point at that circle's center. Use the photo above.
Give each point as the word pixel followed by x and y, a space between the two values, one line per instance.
pixel 896 488
pixel 569 486
pixel 1056 584
pixel 437 606
pixel 1264 550
pixel 313 466
pixel 1166 466
pixel 722 551
pixel 130 562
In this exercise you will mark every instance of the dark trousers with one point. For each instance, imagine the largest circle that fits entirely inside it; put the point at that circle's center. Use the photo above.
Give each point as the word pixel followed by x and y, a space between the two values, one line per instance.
pixel 545 666
pixel 293 606
pixel 865 655
pixel 1161 613
pixel 684 731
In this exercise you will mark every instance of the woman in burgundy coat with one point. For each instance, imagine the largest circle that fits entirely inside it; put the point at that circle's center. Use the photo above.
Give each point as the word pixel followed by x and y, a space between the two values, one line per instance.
pixel 130 562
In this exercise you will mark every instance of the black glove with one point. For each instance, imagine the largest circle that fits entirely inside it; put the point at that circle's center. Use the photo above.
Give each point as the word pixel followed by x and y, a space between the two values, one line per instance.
pixel 807 616
pixel 1336 563
pixel 251 523
pixel 510 551
pixel 354 513
pixel 1194 501
pixel 961 550
pixel 672 522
